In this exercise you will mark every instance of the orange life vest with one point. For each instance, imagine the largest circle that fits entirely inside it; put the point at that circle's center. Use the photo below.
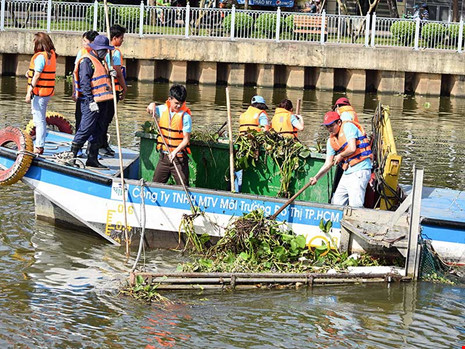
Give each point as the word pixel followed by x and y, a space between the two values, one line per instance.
pixel 362 150
pixel 46 84
pixel 118 86
pixel 249 120
pixel 281 123
pixel 100 82
pixel 171 128
pixel 348 109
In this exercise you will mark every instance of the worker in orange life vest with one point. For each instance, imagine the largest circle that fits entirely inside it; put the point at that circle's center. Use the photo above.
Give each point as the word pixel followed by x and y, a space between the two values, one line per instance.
pixel 41 85
pixel 87 38
pixel 176 126
pixel 349 146
pixel 93 90
pixel 117 62
pixel 255 117
pixel 285 122
pixel 345 110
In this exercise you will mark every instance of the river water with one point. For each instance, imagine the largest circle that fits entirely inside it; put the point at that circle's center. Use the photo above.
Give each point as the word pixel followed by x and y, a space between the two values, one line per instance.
pixel 59 288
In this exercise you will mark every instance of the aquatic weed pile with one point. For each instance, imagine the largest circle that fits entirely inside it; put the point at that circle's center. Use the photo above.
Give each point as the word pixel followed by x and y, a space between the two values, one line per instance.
pixel 253 243
pixel 287 153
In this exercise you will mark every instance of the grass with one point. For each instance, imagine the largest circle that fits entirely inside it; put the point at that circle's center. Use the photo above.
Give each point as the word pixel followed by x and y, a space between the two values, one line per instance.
pixel 68 25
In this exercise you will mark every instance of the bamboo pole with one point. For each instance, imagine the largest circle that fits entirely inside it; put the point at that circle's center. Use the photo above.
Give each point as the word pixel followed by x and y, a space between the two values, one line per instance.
pixel 291 200
pixel 299 106
pixel 118 137
pixel 231 145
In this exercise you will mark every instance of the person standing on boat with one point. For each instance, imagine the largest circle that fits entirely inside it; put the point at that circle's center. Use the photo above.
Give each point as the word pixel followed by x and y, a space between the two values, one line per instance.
pixel 348 146
pixel 87 38
pixel 285 122
pixel 345 110
pixel 93 88
pixel 176 127
pixel 117 37
pixel 41 85
pixel 255 117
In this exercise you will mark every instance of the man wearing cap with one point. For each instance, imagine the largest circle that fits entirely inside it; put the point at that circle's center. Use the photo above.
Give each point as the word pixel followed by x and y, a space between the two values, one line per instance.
pixel 93 90
pixel 255 117
pixel 348 146
pixel 345 110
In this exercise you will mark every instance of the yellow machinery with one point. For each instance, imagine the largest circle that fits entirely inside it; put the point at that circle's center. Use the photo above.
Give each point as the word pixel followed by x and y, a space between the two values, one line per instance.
pixel 387 161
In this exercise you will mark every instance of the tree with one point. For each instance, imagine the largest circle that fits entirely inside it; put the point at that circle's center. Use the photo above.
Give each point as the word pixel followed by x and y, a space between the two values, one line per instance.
pixel 392 4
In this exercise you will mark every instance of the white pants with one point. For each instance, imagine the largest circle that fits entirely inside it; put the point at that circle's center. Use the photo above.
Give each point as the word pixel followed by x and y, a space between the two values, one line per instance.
pixel 351 189
pixel 39 111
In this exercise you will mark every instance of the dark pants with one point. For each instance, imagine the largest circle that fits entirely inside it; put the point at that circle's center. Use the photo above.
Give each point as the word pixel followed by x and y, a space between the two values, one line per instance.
pixel 107 119
pixel 89 128
pixel 165 168
pixel 78 115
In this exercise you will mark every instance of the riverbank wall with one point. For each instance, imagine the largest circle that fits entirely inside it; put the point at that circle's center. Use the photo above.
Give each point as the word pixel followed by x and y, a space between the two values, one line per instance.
pixel 262 63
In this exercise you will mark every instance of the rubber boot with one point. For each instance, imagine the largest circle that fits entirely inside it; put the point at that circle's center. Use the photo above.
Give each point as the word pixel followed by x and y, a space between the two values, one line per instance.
pixel 75 147
pixel 92 160
pixel 106 150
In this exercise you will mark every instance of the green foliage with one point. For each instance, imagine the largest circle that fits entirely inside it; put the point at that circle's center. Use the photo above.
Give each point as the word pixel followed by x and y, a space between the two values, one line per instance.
pixel 149 127
pixel 118 14
pixel 253 243
pixel 144 291
pixel 289 22
pixel 266 23
pixel 126 14
pixel 433 33
pixel 242 22
pixel 205 135
pixel 287 154
pixel 403 31
pixel 453 32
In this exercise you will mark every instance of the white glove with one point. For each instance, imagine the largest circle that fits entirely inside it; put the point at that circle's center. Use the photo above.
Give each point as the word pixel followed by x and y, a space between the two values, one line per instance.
pixel 94 107
pixel 113 73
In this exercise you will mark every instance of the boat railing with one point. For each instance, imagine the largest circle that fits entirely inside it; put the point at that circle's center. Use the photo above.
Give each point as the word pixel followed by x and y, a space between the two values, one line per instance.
pixel 233 24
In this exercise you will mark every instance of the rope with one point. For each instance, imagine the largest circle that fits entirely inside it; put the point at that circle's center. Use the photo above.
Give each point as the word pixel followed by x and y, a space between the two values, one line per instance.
pixel 142 215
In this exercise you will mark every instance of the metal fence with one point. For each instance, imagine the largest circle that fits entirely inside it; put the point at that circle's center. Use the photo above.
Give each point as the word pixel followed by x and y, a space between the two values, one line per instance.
pixel 233 24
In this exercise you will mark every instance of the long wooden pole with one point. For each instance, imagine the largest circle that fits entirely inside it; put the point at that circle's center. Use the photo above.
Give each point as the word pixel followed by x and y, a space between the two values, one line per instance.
pixel 299 106
pixel 121 169
pixel 175 162
pixel 231 145
pixel 288 202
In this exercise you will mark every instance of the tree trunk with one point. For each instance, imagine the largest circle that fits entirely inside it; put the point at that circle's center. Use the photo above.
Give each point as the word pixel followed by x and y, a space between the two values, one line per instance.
pixel 392 4
pixel 455 11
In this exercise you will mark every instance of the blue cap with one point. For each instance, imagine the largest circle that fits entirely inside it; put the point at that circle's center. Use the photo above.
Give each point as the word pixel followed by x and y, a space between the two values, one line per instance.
pixel 258 99
pixel 101 42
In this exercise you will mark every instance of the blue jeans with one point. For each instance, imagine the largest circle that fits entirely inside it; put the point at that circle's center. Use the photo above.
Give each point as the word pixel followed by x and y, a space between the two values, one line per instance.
pixel 39 111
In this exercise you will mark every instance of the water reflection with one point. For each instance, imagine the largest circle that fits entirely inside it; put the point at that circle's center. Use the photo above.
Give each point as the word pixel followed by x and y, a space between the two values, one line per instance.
pixel 427 129
pixel 59 288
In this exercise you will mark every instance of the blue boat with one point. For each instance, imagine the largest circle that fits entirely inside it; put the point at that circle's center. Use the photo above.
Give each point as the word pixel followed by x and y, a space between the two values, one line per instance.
pixel 97 200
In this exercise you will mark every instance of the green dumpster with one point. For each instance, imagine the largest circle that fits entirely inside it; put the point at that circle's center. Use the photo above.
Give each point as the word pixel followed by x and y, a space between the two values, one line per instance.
pixel 209 168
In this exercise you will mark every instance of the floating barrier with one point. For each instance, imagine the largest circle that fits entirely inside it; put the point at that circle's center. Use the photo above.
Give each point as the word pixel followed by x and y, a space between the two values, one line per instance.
pixel 190 281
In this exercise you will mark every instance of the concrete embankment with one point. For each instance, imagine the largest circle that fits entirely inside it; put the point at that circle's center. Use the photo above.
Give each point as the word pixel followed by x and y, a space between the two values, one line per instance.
pixel 262 63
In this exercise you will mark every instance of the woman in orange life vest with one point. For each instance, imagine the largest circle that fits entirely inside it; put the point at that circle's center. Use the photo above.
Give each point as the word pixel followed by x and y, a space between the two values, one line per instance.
pixel 255 117
pixel 345 110
pixel 87 38
pixel 41 85
pixel 349 146
pixel 93 88
pixel 176 127
pixel 284 122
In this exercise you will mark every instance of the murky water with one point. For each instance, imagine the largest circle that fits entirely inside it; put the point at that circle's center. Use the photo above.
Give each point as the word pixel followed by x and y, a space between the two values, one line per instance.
pixel 59 288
